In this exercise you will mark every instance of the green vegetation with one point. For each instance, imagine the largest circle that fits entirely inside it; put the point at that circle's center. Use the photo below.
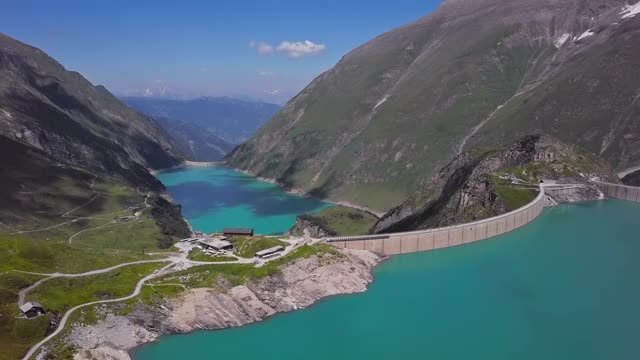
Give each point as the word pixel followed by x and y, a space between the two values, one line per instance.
pixel 515 197
pixel 247 247
pixel 59 294
pixel 136 236
pixel 196 254
pixel 153 292
pixel 19 253
pixel 17 335
pixel 575 163
pixel 393 148
pixel 101 225
pixel 100 241
pixel 512 196
pixel 342 220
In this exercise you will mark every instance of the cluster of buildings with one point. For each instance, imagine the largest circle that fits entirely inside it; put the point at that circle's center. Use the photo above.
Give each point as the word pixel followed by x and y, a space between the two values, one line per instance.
pixel 219 244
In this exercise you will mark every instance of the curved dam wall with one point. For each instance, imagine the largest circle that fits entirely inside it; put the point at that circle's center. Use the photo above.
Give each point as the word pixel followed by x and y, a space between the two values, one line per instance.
pixel 619 191
pixel 425 240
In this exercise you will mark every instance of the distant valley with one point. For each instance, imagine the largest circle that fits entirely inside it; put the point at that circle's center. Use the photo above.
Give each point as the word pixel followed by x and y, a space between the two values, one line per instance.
pixel 206 128
pixel 195 142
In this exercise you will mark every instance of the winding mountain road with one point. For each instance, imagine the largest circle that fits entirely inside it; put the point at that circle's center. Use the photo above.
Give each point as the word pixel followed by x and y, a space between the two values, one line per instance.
pixel 65 317
pixel 23 293
pixel 179 261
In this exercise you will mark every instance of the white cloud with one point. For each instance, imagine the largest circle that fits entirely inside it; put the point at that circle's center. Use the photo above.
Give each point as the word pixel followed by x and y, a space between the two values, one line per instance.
pixel 272 92
pixel 263 47
pixel 265 73
pixel 294 50
pixel 300 48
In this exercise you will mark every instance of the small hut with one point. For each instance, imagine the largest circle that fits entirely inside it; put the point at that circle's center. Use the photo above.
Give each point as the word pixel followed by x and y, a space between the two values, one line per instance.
pixel 32 309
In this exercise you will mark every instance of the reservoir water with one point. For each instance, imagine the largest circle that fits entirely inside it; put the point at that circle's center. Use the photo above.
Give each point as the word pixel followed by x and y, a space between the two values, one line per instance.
pixel 213 198
pixel 563 287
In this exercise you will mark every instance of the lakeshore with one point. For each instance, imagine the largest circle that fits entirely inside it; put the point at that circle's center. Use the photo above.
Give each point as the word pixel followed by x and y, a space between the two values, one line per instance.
pixel 216 197
pixel 299 283
pixel 293 191
pixel 460 303
pixel 186 164
pixel 303 193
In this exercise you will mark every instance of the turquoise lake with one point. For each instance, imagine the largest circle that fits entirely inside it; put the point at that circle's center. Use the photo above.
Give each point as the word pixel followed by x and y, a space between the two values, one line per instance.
pixel 563 287
pixel 214 198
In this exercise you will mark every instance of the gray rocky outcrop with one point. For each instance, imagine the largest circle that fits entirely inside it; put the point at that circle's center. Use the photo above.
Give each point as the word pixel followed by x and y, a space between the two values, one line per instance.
pixel 298 285
pixel 467 188
pixel 308 226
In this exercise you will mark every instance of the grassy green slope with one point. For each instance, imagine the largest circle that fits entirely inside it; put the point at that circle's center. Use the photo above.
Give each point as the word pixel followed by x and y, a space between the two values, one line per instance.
pixel 343 221
pixel 342 144
pixel 592 102
pixel 60 294
pixel 247 247
pixel 17 335
pixel 400 106
pixel 42 207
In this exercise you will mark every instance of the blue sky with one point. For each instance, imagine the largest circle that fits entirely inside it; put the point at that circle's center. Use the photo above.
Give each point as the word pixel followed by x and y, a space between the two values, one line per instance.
pixel 199 48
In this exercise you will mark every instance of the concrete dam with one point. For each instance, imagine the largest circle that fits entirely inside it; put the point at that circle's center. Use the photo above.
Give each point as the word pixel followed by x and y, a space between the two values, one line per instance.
pixel 438 238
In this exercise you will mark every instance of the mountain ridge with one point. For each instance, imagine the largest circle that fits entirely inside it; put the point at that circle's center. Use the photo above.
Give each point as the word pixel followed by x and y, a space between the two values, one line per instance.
pixel 61 113
pixel 61 136
pixel 467 76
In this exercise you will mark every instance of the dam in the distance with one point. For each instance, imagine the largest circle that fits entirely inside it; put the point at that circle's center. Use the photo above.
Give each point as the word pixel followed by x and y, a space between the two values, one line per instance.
pixel 439 238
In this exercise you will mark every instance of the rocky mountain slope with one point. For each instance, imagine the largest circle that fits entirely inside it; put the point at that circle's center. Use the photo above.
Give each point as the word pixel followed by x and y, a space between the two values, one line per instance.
pixel 59 112
pixel 196 143
pixel 232 120
pixel 60 136
pixel 471 75
pixel 479 185
pixel 632 179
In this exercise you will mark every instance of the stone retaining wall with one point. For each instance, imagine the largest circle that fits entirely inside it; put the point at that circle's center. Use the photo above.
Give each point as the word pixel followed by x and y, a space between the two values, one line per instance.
pixel 619 191
pixel 425 240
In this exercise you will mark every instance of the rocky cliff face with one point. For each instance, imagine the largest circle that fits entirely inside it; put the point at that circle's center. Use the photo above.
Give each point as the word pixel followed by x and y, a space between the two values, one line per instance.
pixel 298 285
pixel 471 75
pixel 632 179
pixel 479 185
pixel 307 226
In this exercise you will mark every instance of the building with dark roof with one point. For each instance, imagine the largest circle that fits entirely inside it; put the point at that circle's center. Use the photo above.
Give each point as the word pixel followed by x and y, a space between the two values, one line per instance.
pixel 276 250
pixel 238 231
pixel 32 309
pixel 215 244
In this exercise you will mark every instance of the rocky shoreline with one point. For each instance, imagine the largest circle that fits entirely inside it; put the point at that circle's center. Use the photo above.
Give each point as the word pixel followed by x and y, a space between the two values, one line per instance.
pixel 298 285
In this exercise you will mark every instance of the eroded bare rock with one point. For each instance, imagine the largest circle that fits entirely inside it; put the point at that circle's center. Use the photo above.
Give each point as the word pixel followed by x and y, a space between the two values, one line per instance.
pixel 298 285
